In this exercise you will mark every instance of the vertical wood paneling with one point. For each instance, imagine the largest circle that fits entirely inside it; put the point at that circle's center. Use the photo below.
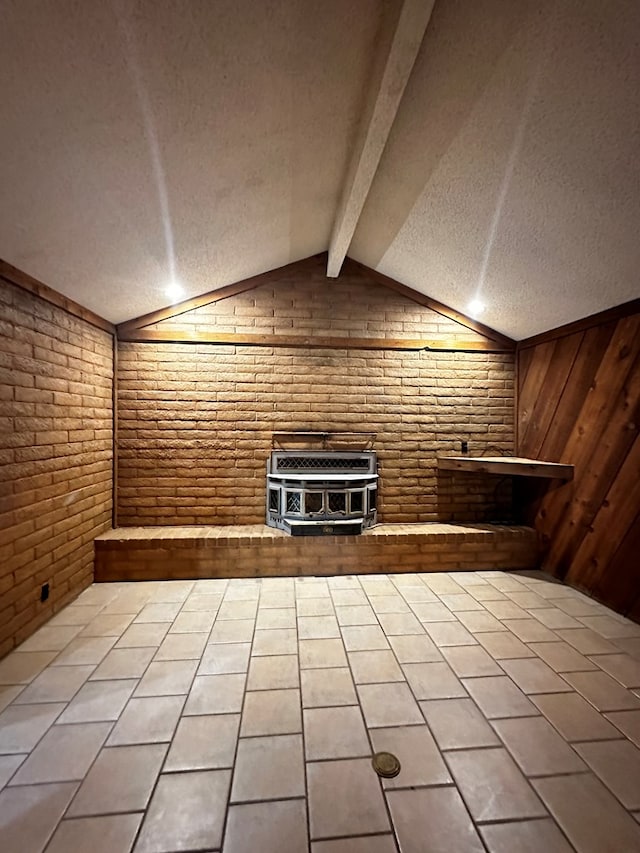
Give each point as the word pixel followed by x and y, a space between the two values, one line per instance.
pixel 579 403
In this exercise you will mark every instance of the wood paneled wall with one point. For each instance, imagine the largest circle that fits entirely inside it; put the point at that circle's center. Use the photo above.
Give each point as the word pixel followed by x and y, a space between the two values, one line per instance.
pixel 579 402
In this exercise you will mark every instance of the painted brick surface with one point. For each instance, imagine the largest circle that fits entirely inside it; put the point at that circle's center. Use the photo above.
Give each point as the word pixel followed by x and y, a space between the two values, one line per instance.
pixel 55 457
pixel 195 420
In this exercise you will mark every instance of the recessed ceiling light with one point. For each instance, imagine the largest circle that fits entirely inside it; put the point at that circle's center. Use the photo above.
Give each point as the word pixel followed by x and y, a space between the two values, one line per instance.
pixel 174 291
pixel 475 307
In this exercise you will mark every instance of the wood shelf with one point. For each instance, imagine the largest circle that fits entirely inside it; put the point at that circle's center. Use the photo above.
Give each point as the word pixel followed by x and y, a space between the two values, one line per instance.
pixel 507 466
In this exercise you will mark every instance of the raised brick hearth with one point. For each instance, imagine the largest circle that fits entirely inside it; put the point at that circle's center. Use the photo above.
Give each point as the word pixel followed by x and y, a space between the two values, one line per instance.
pixel 158 553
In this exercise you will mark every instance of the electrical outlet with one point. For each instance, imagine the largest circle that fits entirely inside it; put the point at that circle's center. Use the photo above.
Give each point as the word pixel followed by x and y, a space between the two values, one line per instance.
pixel 44 592
pixel 464 446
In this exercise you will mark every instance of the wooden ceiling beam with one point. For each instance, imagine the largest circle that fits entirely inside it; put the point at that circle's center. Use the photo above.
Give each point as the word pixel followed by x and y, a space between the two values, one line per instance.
pixel 376 127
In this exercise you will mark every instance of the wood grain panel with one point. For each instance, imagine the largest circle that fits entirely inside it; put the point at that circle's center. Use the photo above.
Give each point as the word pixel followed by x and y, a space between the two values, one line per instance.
pixel 579 403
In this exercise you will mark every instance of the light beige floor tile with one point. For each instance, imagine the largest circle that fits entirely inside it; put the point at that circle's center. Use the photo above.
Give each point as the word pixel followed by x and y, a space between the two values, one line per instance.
pixel 271 712
pixel 420 761
pixel 311 588
pixel 400 624
pixel 238 610
pixel 142 635
pixel 527 599
pixel 461 601
pixel 497 696
pixel 433 681
pixel 537 747
pixel 221 658
pixel 150 720
pixel 458 724
pixel 441 584
pixel 469 661
pixel 604 692
pixel 23 667
pixel 64 754
pixel 389 604
pixel 628 722
pixel 108 625
pixel 586 641
pixel 284 598
pixel 505 610
pixel 271 673
pixel 322 653
pixel 450 634
pixel 196 601
pixel 29 815
pixel 530 630
pixel 372 667
pixel 630 646
pixel 534 676
pixel 376 584
pixel 172 591
pixel 312 607
pixel 268 768
pixel 98 701
pixel 278 617
pixel 577 606
pixel 479 622
pixel 85 650
pixel 561 657
pixel 325 687
pixel 432 612
pixel 167 678
pixel 204 743
pixel 216 694
pixel 186 813
pixel 242 592
pixel 318 627
pixel 267 827
pixel 120 780
pixel 50 639
pixel 492 785
pixel 415 649
pixel 527 836
pixel 55 684
pixel 502 645
pixel 8 693
pixel 361 638
pixel 574 717
pixel 623 668
pixel 554 618
pixel 432 819
pixel 361 844
pixel 617 763
pixel 385 705
pixel 158 612
pixel 277 641
pixel 335 733
pixel 343 582
pixel 123 663
pixel 506 582
pixel 193 622
pixel 8 766
pixel 182 647
pixel 75 614
pixel 108 834
pixel 589 815
pixel 610 627
pixel 417 593
pixel 22 726
pixel 232 631
pixel 344 799
pixel 357 615
pixel 485 592
pixel 348 597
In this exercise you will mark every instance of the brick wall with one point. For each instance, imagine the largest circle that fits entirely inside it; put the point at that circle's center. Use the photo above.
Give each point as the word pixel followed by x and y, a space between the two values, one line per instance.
pixel 56 374
pixel 195 420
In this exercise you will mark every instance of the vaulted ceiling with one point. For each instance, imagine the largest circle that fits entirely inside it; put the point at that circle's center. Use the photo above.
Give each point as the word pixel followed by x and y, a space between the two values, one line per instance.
pixel 483 149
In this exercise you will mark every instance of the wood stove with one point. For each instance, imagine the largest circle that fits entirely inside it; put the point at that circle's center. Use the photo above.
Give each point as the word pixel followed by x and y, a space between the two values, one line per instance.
pixel 321 492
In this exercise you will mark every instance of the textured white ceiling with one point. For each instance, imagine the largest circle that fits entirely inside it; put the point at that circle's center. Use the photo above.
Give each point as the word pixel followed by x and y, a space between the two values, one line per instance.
pixel 212 139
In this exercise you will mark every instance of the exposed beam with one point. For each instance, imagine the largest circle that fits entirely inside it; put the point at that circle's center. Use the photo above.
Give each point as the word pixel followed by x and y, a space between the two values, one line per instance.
pixel 412 24
pixel 184 336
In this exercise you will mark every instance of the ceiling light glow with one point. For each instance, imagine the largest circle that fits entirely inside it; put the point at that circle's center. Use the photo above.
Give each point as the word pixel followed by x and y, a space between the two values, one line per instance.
pixel 476 307
pixel 174 291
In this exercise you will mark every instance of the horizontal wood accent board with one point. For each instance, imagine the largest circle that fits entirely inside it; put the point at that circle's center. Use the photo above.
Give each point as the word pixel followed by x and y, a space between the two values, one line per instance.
pixel 579 403
pixel 255 550
pixel 511 466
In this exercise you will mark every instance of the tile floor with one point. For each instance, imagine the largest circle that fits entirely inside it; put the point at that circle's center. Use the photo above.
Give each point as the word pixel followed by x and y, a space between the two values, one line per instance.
pixel 241 715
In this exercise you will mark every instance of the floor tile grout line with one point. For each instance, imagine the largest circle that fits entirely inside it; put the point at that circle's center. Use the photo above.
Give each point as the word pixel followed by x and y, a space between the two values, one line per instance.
pixel 305 772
